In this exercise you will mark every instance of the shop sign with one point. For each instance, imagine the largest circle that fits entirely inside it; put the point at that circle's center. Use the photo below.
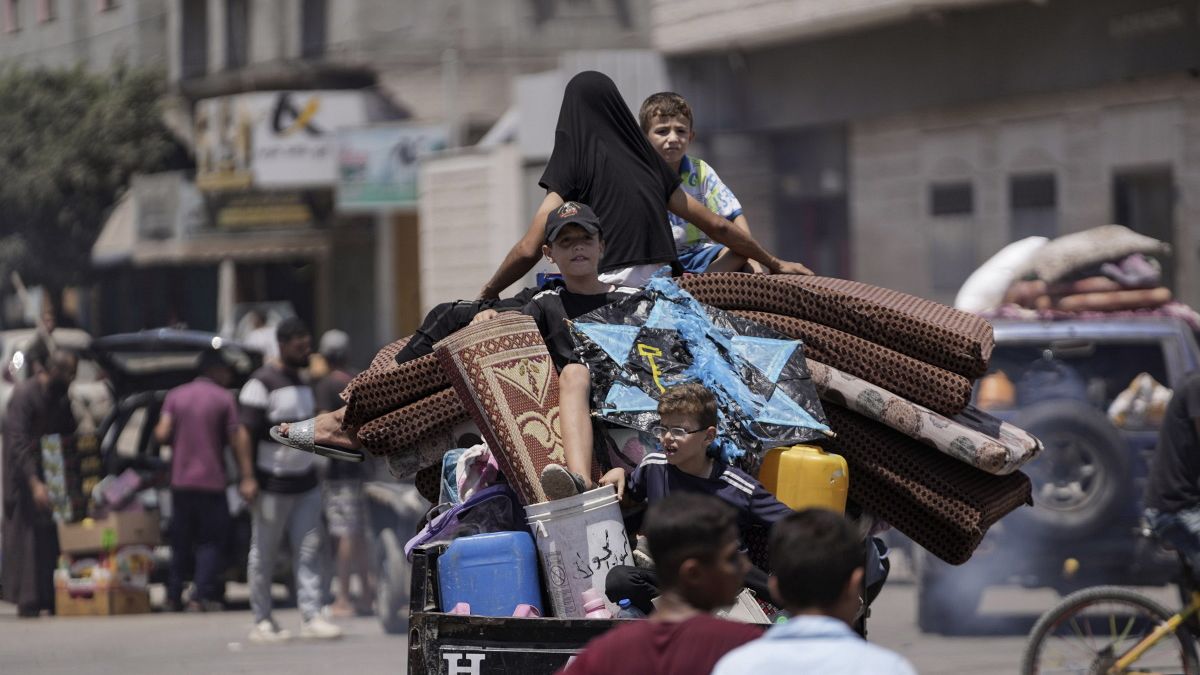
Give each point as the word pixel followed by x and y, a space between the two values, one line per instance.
pixel 378 166
pixel 280 139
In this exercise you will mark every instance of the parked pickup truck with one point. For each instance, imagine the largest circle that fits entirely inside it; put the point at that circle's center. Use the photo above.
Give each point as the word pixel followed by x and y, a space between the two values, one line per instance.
pixel 1089 482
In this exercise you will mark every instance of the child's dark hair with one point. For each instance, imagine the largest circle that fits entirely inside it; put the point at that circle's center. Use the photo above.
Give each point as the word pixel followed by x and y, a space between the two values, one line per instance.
pixel 291 328
pixel 663 104
pixel 686 525
pixel 691 398
pixel 813 553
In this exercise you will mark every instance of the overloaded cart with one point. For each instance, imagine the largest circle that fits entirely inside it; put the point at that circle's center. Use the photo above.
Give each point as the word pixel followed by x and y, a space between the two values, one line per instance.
pixel 879 378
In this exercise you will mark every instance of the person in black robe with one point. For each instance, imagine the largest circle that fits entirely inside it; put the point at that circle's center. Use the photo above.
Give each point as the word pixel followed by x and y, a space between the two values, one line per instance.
pixel 601 158
pixel 39 407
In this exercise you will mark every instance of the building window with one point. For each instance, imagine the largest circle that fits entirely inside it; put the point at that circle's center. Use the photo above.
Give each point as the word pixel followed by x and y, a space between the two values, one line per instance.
pixel 193 57
pixel 12 16
pixel 952 234
pixel 312 29
pixel 237 33
pixel 1033 206
pixel 45 10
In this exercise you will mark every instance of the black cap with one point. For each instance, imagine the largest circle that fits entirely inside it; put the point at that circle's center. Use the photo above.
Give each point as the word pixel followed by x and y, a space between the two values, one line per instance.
pixel 568 214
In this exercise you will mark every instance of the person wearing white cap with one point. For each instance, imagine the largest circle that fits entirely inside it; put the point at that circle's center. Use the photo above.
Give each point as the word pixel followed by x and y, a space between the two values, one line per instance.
pixel 343 488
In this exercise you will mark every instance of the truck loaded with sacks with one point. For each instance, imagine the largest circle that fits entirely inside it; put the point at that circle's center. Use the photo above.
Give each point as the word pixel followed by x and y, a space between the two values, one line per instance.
pixel 1089 345
pixel 880 378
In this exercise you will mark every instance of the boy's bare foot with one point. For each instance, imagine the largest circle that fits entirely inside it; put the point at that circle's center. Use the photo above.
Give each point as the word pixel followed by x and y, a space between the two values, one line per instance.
pixel 328 430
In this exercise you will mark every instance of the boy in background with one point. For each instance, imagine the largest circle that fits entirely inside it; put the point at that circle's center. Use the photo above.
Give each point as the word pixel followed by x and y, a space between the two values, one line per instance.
pixel 816 558
pixel 666 119
pixel 694 538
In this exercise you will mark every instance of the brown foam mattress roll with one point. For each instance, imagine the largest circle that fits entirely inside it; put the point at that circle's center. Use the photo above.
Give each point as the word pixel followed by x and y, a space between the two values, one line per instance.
pixel 941 503
pixel 402 430
pixel 925 330
pixel 1114 301
pixel 939 390
pixel 389 386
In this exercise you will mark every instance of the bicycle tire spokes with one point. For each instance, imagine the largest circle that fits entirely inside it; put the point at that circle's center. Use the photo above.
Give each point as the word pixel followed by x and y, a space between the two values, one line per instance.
pixel 1091 636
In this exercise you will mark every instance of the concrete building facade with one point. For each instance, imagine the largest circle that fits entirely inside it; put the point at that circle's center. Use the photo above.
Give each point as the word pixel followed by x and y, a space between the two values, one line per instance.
pixel 451 63
pixel 99 34
pixel 946 129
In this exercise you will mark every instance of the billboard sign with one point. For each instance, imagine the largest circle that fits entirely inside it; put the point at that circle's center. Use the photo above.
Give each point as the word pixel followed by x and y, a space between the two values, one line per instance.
pixel 377 166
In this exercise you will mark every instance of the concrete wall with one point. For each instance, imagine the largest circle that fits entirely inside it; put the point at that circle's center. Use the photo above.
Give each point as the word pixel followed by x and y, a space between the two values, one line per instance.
pixel 132 31
pixel 1082 138
pixel 689 26
pixel 470 215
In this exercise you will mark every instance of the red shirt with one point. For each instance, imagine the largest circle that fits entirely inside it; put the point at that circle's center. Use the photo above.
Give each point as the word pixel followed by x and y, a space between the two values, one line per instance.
pixel 653 648
pixel 204 416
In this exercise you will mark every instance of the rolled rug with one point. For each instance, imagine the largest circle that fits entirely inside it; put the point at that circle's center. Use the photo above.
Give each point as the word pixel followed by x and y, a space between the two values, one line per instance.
pixel 978 439
pixel 925 330
pixel 505 379
pixel 937 389
pixel 943 504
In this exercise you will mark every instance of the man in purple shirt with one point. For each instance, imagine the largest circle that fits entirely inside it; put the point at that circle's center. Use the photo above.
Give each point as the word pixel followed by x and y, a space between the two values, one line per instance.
pixel 199 420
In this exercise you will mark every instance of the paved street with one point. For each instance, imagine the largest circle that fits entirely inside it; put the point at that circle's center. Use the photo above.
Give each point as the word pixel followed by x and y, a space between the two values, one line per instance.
pixel 215 643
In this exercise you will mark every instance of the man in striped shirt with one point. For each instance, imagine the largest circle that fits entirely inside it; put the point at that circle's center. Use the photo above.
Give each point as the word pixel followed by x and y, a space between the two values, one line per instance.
pixel 280 484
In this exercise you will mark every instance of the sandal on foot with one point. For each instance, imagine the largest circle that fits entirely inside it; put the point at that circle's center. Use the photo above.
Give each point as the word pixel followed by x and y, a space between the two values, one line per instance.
pixel 302 436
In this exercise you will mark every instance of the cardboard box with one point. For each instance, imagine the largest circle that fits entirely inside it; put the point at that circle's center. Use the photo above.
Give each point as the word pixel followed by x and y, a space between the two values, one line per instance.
pixel 101 602
pixel 118 529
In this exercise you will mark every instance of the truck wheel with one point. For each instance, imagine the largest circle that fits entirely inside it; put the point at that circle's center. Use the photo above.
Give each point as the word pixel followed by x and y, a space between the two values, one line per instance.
pixel 947 597
pixel 1081 479
pixel 392 579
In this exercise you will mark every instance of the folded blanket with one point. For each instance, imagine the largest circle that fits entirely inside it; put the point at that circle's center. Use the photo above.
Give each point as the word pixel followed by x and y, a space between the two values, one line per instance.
pixel 940 390
pixel 967 439
pixel 1173 309
pixel 1080 250
pixel 925 330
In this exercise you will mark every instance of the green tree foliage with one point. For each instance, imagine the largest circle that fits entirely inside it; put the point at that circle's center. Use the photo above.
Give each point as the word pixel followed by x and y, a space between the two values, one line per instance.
pixel 69 143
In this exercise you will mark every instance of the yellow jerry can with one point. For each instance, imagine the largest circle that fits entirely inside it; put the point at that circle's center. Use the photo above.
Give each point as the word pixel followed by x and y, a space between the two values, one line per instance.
pixel 805 476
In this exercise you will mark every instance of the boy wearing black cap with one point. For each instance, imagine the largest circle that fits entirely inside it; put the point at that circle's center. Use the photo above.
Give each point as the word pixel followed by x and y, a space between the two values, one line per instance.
pixel 575 243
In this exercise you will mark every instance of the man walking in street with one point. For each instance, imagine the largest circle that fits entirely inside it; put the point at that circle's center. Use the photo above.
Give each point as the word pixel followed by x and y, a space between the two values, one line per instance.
pixel 199 419
pixel 281 485
pixel 39 407
pixel 343 488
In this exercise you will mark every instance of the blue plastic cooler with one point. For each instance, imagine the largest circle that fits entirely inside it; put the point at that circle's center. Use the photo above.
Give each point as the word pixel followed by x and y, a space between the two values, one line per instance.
pixel 493 573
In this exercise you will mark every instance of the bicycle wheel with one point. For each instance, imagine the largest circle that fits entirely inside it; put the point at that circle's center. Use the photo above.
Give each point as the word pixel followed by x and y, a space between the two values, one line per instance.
pixel 1090 629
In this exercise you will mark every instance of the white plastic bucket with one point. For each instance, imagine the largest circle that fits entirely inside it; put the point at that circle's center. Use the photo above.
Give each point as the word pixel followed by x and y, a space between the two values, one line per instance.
pixel 579 539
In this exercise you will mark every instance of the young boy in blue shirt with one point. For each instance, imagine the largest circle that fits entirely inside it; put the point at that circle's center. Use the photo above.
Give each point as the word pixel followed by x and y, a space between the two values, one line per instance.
pixel 688 426
pixel 666 119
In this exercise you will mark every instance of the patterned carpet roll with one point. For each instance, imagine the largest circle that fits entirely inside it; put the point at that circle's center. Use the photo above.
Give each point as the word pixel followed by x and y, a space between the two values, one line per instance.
pixel 386 353
pixel 505 379
pixel 939 390
pixel 980 440
pixel 925 330
pixel 402 431
pixel 387 386
pixel 939 502
pixel 429 482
